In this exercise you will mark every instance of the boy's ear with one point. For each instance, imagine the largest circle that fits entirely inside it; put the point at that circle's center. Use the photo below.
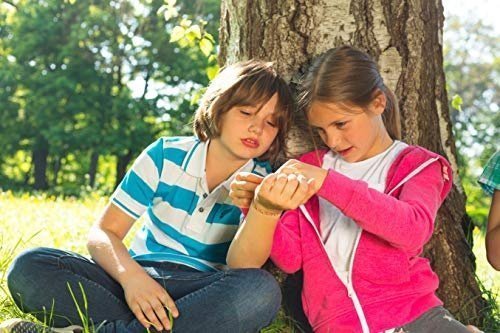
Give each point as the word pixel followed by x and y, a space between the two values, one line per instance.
pixel 377 105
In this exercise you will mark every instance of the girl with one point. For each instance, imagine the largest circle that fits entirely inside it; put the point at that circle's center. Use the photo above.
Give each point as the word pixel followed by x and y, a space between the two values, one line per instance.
pixel 177 262
pixel 371 205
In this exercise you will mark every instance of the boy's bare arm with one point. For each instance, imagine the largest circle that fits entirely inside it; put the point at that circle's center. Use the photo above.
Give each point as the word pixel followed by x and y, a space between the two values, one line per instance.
pixel 252 244
pixel 493 232
pixel 240 254
pixel 105 242
pixel 145 297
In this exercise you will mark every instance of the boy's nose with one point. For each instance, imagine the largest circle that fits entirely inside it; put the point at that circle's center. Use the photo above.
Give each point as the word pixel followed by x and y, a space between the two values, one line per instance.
pixel 256 126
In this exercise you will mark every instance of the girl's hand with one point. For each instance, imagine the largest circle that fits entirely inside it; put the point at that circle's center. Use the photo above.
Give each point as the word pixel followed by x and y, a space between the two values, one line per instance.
pixel 149 301
pixel 279 192
pixel 307 170
pixel 242 188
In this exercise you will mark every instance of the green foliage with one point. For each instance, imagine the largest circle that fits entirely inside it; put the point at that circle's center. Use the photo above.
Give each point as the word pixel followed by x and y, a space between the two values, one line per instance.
pixel 194 35
pixel 478 203
pixel 472 67
pixel 83 80
pixel 456 102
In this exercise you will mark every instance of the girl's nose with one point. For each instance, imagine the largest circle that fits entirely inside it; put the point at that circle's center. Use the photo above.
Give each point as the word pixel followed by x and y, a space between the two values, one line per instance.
pixel 333 140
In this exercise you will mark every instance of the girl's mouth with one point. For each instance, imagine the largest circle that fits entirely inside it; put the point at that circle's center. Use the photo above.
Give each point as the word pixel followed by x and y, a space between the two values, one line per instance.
pixel 344 152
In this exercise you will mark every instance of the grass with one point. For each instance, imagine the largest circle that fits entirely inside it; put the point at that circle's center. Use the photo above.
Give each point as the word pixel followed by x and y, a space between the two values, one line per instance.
pixel 488 276
pixel 29 221
pixel 41 220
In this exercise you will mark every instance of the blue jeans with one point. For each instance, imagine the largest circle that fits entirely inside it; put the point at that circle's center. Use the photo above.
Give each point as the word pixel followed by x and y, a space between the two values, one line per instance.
pixel 239 300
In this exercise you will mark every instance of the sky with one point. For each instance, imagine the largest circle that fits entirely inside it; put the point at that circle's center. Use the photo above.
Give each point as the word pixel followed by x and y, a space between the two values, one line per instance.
pixel 487 10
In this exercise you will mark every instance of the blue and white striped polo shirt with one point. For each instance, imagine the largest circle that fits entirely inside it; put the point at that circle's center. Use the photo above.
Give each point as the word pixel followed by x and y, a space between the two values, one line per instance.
pixel 184 223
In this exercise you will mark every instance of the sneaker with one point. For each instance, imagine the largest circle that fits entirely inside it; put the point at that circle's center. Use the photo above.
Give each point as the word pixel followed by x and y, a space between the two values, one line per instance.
pixel 25 326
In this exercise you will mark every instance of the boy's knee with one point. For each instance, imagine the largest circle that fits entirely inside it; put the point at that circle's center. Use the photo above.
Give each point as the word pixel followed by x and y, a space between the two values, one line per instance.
pixel 24 268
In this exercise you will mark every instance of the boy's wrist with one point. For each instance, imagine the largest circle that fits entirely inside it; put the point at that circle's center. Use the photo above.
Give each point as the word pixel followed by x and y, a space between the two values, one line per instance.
pixel 263 210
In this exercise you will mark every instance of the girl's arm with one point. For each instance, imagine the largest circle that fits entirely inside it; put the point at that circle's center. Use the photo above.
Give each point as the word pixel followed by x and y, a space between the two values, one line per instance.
pixel 145 297
pixel 406 222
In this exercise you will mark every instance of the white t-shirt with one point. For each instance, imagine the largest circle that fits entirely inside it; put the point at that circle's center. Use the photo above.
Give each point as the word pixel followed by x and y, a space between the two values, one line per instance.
pixel 338 231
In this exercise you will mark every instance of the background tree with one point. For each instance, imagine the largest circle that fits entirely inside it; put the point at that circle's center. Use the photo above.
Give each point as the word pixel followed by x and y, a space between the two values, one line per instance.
pixel 89 83
pixel 472 67
pixel 405 37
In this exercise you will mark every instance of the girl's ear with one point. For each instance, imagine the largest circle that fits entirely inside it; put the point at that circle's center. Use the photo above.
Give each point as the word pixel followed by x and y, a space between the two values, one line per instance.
pixel 377 105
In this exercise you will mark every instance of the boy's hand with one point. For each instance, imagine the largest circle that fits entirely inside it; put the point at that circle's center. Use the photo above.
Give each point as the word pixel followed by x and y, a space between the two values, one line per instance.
pixel 307 170
pixel 149 301
pixel 243 187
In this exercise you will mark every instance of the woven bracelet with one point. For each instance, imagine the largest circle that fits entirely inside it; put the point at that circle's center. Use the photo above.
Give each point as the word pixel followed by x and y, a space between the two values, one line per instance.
pixel 264 212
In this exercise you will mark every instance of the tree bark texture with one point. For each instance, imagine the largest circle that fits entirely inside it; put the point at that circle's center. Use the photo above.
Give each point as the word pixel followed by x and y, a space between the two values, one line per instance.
pixel 121 166
pixel 405 37
pixel 94 162
pixel 40 155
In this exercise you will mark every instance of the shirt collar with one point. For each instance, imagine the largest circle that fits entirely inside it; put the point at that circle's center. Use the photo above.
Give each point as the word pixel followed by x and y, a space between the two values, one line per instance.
pixel 195 162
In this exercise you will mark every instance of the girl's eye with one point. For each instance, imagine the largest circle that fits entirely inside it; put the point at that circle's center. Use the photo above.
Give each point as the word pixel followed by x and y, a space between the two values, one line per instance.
pixel 272 124
pixel 246 113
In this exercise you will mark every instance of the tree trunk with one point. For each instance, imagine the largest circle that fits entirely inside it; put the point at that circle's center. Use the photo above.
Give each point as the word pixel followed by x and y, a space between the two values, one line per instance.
pixel 40 155
pixel 94 161
pixel 56 167
pixel 121 166
pixel 405 37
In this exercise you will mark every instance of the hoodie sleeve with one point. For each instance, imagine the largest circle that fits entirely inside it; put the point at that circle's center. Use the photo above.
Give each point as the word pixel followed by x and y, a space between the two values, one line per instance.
pixel 286 252
pixel 407 221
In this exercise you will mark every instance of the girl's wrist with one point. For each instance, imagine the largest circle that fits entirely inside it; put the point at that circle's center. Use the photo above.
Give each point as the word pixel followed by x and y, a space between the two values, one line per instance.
pixel 321 180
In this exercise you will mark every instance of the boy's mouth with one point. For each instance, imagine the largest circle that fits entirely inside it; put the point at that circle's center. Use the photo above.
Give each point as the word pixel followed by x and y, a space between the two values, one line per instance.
pixel 251 143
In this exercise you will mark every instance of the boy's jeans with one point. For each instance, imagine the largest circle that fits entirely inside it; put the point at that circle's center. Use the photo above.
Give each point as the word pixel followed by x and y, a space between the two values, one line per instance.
pixel 240 300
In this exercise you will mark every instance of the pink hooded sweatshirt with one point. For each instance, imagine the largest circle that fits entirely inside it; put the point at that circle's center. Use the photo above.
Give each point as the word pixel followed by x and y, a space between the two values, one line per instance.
pixel 389 284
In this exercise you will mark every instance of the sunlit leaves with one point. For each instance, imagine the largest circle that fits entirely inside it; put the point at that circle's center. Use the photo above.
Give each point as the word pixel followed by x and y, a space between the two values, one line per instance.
pixel 212 71
pixel 177 33
pixel 456 102
pixel 206 46
pixel 169 10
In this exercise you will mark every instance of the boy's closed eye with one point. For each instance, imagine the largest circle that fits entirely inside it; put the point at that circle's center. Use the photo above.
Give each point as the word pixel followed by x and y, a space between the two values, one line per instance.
pixel 245 112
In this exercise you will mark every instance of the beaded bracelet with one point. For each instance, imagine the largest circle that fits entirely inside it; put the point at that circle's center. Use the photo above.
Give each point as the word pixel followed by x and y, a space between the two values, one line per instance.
pixel 266 212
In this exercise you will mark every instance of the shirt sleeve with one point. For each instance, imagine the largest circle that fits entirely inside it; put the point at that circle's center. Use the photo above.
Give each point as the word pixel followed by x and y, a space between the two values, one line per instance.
pixel 406 222
pixel 490 178
pixel 137 189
